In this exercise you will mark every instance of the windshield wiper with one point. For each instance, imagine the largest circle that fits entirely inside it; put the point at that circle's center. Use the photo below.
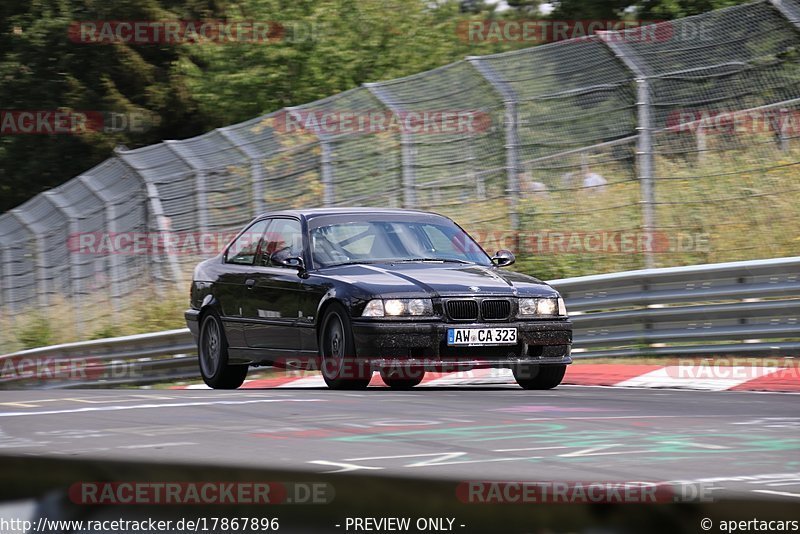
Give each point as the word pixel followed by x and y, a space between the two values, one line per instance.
pixel 443 260
pixel 401 260
pixel 354 262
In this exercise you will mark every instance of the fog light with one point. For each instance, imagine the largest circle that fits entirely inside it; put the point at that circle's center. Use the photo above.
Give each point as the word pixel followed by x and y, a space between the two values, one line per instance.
pixel 374 308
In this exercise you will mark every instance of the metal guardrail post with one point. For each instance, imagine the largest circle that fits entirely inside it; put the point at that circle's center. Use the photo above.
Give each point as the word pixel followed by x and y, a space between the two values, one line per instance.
pixel 406 146
pixel 644 145
pixel 511 124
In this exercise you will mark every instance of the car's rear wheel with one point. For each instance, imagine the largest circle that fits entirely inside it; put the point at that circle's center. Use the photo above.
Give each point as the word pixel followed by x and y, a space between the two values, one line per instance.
pixel 402 378
pixel 212 351
pixel 539 376
pixel 340 368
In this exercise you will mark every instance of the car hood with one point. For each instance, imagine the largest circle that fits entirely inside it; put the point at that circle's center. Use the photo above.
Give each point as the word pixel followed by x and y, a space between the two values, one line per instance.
pixel 396 279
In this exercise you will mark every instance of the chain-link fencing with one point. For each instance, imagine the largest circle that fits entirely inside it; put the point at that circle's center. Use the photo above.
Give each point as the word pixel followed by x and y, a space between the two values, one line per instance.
pixel 670 144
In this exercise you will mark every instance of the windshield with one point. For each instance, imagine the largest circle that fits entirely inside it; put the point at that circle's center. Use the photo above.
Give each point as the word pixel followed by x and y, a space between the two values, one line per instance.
pixel 379 240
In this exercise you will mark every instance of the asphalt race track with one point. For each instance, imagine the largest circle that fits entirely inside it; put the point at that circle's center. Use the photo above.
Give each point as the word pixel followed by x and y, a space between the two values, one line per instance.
pixel 739 443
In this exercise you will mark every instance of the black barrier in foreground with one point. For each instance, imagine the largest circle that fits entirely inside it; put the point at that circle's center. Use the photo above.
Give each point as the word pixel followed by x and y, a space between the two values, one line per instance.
pixel 94 495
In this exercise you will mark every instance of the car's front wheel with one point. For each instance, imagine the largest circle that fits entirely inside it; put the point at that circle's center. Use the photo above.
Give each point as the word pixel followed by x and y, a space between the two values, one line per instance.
pixel 535 376
pixel 212 351
pixel 340 367
pixel 402 378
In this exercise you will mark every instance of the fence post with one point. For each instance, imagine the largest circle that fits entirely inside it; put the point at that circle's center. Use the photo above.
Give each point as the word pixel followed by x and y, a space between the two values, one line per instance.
pixel 512 137
pixel 200 190
pixel 41 267
pixel 60 204
pixel 256 168
pixel 407 151
pixel 325 164
pixel 644 142
pixel 157 210
pixel 700 141
pixel 327 172
pixel 789 10
pixel 111 228
pixel 8 272
pixel 783 125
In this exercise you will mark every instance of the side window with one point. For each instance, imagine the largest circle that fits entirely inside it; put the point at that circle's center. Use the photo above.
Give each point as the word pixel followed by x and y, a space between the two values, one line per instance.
pixel 243 250
pixel 283 239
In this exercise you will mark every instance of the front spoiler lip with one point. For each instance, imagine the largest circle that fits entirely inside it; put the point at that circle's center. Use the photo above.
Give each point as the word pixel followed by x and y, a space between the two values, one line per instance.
pixel 435 363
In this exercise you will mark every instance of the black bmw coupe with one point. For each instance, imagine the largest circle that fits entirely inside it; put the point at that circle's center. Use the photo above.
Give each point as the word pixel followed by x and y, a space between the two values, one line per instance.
pixel 357 290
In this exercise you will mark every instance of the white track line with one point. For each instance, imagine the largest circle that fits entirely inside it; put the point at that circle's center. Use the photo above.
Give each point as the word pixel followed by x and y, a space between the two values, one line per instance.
pixel 152 406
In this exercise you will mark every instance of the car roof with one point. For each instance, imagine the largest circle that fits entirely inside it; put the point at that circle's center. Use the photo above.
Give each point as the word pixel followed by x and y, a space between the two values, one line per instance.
pixel 310 213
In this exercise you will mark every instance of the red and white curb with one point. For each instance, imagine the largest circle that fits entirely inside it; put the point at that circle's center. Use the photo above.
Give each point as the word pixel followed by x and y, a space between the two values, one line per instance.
pixel 696 377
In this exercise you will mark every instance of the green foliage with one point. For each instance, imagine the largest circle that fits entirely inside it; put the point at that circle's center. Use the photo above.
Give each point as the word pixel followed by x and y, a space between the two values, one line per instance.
pixel 35 332
pixel 329 46
pixel 42 69
pixel 105 331
pixel 155 310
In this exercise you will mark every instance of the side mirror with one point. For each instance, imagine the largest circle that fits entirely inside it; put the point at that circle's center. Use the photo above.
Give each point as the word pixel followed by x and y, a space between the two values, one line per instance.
pixel 293 262
pixel 503 258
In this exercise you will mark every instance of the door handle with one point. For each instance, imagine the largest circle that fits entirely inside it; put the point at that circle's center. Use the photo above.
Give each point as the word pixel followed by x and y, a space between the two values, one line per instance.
pixel 250 282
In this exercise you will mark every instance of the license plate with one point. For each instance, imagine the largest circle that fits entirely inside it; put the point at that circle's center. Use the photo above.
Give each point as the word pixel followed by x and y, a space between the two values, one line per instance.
pixel 481 336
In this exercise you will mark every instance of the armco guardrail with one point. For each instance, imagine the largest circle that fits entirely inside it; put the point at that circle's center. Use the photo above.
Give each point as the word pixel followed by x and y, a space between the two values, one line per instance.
pixel 128 360
pixel 740 308
pixel 747 308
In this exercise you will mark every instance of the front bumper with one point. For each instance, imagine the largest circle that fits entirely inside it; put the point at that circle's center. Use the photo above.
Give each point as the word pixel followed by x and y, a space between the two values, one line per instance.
pixel 425 343
pixel 191 315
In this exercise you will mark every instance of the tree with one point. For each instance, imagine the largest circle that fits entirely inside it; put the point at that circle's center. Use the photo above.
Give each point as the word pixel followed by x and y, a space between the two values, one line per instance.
pixel 43 69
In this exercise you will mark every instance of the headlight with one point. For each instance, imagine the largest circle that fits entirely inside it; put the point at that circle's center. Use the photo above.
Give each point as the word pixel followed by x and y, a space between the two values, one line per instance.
pixel 394 307
pixel 541 307
pixel 397 307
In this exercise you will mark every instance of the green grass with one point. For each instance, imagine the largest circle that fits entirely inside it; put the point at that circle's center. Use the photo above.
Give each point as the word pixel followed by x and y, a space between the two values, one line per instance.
pixel 152 311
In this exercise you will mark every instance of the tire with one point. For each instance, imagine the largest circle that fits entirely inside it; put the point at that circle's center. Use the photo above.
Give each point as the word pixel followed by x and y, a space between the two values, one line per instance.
pixel 539 376
pixel 340 368
pixel 212 355
pixel 402 379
